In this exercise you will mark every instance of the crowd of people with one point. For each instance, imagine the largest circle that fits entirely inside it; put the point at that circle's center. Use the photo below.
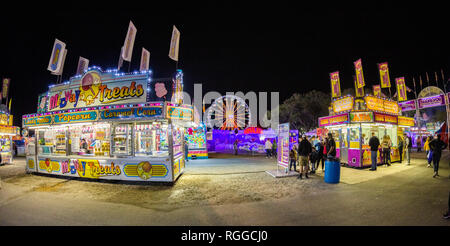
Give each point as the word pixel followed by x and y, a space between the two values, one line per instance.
pixel 309 154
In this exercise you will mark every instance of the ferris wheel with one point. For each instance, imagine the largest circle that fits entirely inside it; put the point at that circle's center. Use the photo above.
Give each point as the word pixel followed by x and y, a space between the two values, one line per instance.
pixel 228 113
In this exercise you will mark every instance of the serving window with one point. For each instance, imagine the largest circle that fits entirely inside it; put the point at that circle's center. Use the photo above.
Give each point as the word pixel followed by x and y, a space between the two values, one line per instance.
pixel 91 140
pixel 151 139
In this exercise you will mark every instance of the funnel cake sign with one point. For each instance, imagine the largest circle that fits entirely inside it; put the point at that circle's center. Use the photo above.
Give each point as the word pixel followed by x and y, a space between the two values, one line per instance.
pixel 94 89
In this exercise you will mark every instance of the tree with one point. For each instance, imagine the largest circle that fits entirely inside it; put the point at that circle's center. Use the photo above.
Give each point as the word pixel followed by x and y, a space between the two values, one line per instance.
pixel 303 110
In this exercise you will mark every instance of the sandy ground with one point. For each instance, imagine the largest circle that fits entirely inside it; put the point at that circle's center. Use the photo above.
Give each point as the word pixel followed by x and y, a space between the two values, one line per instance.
pixel 231 188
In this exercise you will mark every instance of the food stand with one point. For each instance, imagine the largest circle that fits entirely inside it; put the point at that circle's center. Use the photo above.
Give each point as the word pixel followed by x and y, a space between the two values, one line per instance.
pixel 105 125
pixel 353 121
pixel 7 132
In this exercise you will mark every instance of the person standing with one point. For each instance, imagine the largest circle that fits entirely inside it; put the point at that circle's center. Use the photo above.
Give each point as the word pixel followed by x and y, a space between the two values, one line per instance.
pixel 331 146
pixel 386 148
pixel 235 147
pixel 436 146
pixel 324 151
pixel 408 146
pixel 319 149
pixel 419 143
pixel 293 158
pixel 274 149
pixel 426 147
pixel 186 150
pixel 304 150
pixel 400 148
pixel 268 148
pixel 374 142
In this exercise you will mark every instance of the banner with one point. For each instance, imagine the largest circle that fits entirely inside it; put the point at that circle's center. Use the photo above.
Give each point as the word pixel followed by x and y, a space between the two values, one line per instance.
pixel 377 90
pixel 384 75
pixel 335 84
pixel 6 82
pixel 129 42
pixel 62 64
pixel 83 64
pixel 401 89
pixel 54 65
pixel 283 145
pixel 359 73
pixel 174 44
pixel 344 104
pixel 145 60
pixel 119 65
pixel 359 92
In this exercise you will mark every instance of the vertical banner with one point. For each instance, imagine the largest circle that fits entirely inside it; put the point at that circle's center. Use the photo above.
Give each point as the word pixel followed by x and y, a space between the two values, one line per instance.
pixel 174 44
pixel 119 65
pixel 83 64
pixel 384 75
pixel 401 89
pixel 63 60
pixel 359 73
pixel 145 60
pixel 359 91
pixel 335 84
pixel 283 145
pixel 377 90
pixel 5 87
pixel 54 65
pixel 129 42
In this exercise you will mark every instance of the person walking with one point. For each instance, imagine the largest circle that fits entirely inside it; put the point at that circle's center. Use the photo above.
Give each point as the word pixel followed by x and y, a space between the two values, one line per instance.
pixel 304 150
pixel 400 148
pixel 268 148
pixel 386 148
pixel 419 143
pixel 426 147
pixel 319 148
pixel 293 158
pixel 436 146
pixel 274 149
pixel 408 146
pixel 374 142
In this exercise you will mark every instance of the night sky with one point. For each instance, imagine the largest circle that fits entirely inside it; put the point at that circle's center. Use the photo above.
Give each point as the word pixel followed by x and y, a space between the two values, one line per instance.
pixel 228 47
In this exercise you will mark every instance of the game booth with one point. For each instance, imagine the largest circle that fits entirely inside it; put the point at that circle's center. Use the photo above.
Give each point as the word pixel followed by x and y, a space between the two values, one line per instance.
pixel 196 138
pixel 106 125
pixel 7 132
pixel 354 120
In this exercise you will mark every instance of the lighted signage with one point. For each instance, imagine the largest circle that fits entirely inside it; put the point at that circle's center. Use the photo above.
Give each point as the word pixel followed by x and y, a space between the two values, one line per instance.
pixel 94 90
pixel 333 120
pixel 407 105
pixel 130 113
pixel 253 130
pixel 179 113
pixel 38 120
pixel 385 118
pixel 433 101
pixel 357 117
pixel 75 117
pixel 9 130
pixel 381 105
pixel 344 104
pixel 405 121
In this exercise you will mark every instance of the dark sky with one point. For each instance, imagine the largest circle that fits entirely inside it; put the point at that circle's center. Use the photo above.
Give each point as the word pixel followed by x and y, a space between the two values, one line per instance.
pixel 228 47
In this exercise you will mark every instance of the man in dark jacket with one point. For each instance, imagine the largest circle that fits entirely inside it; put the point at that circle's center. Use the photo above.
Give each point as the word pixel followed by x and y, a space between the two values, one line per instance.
pixel 437 145
pixel 374 142
pixel 331 146
pixel 304 150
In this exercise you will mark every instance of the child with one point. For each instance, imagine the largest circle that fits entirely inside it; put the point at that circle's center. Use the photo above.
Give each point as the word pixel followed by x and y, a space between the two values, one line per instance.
pixel 293 158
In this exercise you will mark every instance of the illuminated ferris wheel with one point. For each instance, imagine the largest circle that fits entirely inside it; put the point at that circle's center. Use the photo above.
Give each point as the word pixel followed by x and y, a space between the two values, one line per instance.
pixel 228 113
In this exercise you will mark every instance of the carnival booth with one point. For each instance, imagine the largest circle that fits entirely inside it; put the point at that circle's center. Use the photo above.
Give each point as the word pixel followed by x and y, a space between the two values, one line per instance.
pixel 105 125
pixel 353 121
pixel 7 132
pixel 196 138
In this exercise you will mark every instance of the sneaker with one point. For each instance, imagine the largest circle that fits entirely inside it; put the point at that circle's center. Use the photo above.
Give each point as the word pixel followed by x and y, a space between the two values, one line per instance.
pixel 435 174
pixel 306 175
pixel 428 165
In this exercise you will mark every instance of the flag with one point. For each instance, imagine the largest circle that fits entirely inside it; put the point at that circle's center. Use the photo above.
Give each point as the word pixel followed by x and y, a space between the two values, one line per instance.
pixel 414 81
pixel 359 73
pixel 9 107
pixel 335 84
pixel 119 65
pixel 145 60
pixel 420 79
pixel 384 75
pixel 442 74
pixel 401 89
pixel 359 92
pixel 5 89
pixel 435 77
pixel 129 43
pixel 63 60
pixel 174 44
pixel 83 64
pixel 428 79
pixel 54 65
pixel 377 90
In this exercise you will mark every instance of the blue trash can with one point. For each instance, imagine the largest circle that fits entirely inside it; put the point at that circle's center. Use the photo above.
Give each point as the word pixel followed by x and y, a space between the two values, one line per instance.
pixel 332 170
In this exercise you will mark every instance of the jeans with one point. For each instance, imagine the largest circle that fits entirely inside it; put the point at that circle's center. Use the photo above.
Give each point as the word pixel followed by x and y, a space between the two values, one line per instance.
pixel 386 156
pixel 436 159
pixel 318 162
pixel 407 157
pixel 268 152
pixel 373 157
pixel 294 163
pixel 400 150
